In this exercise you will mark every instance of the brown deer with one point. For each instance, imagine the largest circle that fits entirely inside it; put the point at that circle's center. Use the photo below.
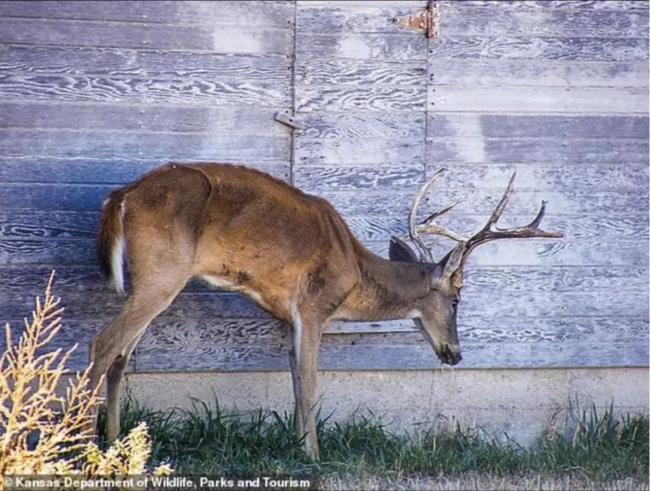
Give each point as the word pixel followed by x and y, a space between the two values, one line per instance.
pixel 289 252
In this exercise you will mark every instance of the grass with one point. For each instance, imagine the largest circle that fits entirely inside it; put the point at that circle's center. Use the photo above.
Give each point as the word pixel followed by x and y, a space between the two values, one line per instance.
pixel 363 454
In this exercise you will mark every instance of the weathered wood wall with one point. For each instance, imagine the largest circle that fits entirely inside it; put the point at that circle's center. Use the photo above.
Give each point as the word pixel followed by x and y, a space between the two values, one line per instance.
pixel 93 94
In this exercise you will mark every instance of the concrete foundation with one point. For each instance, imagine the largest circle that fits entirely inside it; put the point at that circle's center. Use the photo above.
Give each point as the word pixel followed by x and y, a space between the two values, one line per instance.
pixel 522 403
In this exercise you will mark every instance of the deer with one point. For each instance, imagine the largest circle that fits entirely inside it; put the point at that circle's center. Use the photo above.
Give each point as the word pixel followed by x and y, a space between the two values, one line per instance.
pixel 289 252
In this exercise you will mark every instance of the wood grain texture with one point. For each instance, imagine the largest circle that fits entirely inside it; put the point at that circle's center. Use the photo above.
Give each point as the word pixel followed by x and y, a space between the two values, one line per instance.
pixel 604 100
pixel 66 170
pixel 551 150
pixel 363 124
pixel 538 48
pixel 487 72
pixel 108 34
pixel 409 46
pixel 20 143
pixel 374 73
pixel 576 252
pixel 143 90
pixel 142 118
pixel 317 151
pixel 157 64
pixel 534 5
pixel 584 23
pixel 560 126
pixel 386 98
pixel 276 14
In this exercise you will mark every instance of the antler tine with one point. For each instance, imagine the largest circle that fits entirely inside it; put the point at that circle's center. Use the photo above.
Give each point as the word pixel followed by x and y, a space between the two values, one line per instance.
pixel 491 232
pixel 413 232
pixel 498 211
pixel 428 227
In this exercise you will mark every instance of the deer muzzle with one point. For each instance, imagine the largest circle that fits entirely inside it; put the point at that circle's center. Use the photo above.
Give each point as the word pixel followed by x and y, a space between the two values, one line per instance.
pixel 450 355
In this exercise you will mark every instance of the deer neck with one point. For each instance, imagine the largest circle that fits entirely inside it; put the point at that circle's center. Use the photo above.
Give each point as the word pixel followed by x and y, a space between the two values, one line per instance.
pixel 388 290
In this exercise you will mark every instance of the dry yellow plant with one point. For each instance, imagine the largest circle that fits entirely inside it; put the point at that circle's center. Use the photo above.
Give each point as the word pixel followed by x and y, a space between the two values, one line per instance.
pixel 44 433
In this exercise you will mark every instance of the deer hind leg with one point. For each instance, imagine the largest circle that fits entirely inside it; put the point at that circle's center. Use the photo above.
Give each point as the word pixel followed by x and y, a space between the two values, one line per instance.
pixel 111 348
pixel 303 359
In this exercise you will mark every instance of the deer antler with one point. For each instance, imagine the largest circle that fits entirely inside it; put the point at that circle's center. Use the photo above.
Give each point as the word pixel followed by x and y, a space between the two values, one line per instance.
pixel 428 226
pixel 489 232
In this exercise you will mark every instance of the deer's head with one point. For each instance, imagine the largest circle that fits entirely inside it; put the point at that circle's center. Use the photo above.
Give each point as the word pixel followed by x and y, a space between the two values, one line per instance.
pixel 437 311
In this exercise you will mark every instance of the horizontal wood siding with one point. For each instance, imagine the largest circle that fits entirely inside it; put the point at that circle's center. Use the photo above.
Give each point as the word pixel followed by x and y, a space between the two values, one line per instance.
pixel 94 94
pixel 558 92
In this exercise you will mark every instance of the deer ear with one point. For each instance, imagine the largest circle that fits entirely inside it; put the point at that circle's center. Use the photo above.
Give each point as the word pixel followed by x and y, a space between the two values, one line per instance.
pixel 450 264
pixel 401 251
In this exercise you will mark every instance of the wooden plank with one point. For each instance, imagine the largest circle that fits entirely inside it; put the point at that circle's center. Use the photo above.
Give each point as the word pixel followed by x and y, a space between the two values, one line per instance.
pixel 409 46
pixel 545 23
pixel 363 124
pixel 343 17
pixel 98 171
pixel 537 48
pixel 533 5
pixel 573 252
pixel 74 281
pixel 222 39
pixel 535 150
pixel 602 100
pixel 152 146
pixel 215 92
pixel 531 177
pixel 462 125
pixel 316 179
pixel 477 201
pixel 316 151
pixel 156 64
pixel 537 72
pixel 162 350
pixel 266 13
pixel 311 98
pixel 143 118
pixel 367 73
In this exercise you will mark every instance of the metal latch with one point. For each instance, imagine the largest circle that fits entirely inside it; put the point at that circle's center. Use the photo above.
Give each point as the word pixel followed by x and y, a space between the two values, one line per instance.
pixel 286 118
pixel 428 19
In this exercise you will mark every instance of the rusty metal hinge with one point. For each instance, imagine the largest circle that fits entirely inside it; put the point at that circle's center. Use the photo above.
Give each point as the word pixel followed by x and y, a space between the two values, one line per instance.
pixel 428 19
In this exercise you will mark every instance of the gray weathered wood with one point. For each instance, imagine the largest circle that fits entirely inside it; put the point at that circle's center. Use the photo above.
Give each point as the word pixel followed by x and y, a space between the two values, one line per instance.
pixel 603 100
pixel 81 33
pixel 374 73
pixel 385 98
pixel 267 13
pixel 489 72
pixel 532 48
pixel 128 145
pixel 144 90
pixel 563 126
pixel 114 171
pixel 318 151
pixel 534 150
pixel 533 5
pixel 156 64
pixel 363 124
pixel 546 23
pixel 409 46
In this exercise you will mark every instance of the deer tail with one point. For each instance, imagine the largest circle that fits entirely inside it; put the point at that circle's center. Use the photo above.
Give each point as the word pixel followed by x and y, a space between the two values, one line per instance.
pixel 110 241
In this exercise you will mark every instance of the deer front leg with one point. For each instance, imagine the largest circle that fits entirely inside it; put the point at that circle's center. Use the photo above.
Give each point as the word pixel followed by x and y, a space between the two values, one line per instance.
pixel 303 359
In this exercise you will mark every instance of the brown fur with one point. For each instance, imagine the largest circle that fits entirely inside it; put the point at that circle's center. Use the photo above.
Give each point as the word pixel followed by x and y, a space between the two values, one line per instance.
pixel 290 252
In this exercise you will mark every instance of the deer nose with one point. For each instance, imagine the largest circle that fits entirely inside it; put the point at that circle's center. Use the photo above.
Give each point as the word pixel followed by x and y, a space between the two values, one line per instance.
pixel 450 355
